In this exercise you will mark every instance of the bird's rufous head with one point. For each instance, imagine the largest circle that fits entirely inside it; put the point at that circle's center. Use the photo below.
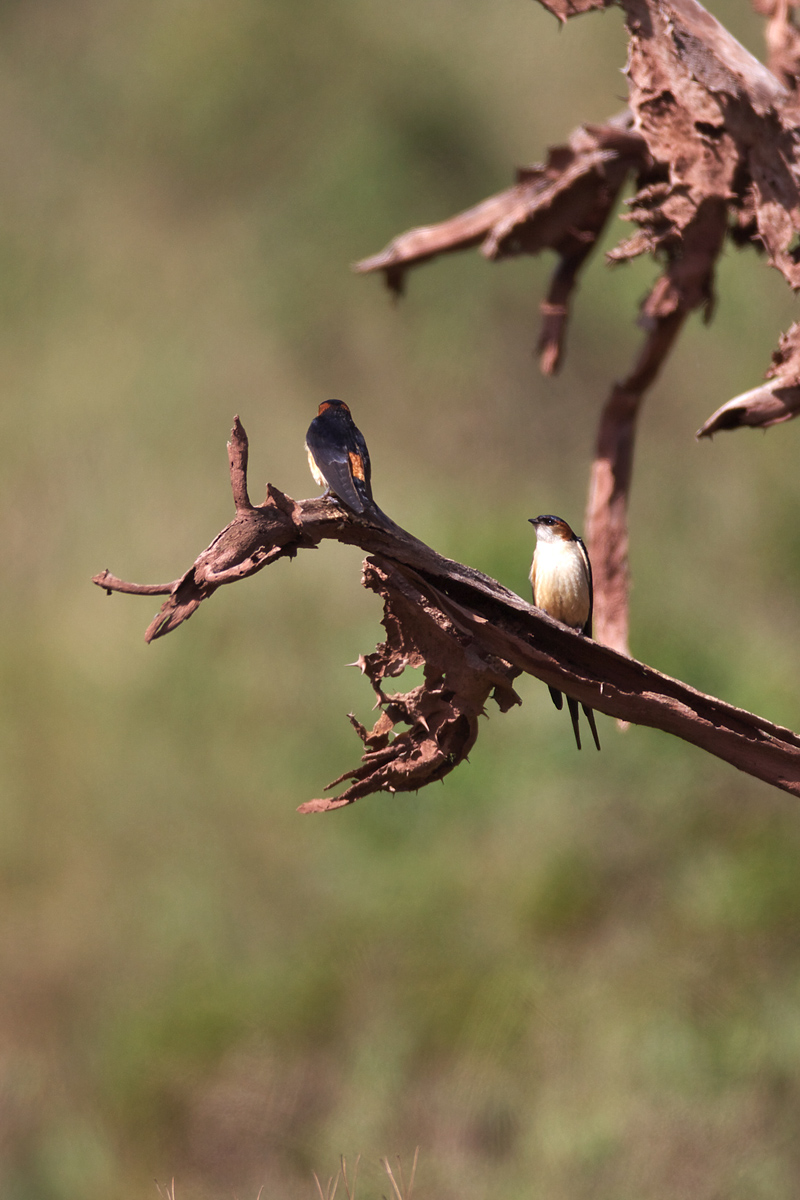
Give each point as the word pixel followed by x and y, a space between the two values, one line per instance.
pixel 552 529
pixel 336 405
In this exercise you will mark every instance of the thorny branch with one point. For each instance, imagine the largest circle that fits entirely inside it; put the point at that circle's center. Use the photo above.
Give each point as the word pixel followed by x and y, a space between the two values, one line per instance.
pixel 472 635
pixel 712 142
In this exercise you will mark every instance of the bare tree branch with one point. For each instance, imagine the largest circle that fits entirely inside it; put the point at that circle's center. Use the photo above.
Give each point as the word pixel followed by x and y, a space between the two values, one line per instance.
pixel 612 469
pixel 473 636
pixel 237 457
pixel 564 9
pixel 561 205
pixel 767 405
pixel 770 404
pixel 685 285
pixel 783 40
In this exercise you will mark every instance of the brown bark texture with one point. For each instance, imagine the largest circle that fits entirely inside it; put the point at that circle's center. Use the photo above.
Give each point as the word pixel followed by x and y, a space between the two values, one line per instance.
pixel 711 141
pixel 473 637
pixel 773 402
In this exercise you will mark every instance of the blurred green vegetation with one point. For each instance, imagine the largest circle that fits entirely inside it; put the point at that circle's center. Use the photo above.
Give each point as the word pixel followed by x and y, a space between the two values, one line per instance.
pixel 559 974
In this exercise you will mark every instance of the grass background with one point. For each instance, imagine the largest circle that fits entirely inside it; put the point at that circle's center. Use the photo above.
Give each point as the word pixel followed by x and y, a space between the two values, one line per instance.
pixel 559 974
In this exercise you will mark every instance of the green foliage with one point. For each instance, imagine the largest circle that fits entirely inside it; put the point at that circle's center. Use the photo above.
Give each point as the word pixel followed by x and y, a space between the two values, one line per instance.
pixel 560 974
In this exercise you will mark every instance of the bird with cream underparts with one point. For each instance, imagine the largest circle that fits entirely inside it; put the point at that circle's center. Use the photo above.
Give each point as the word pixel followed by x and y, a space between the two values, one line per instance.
pixel 339 459
pixel 561 579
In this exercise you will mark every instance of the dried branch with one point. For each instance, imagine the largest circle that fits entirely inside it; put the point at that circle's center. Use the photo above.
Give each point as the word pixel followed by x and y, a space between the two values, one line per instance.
pixel 473 636
pixel 770 404
pixel 607 507
pixel 685 285
pixel 714 115
pixel 561 205
pixel 783 40
pixel 564 9
pixel 238 451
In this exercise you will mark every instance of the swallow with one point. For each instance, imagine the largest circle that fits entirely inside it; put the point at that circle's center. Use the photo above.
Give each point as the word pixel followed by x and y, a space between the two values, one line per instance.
pixel 338 456
pixel 561 579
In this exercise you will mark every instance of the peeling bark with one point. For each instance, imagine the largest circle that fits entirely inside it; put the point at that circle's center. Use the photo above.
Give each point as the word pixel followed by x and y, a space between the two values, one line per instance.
pixel 561 205
pixel 768 405
pixel 472 635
